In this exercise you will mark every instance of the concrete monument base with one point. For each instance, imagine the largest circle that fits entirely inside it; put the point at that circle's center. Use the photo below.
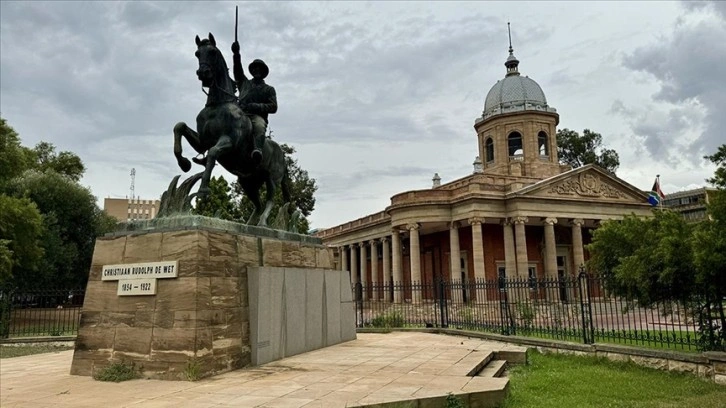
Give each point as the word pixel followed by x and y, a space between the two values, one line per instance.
pixel 203 316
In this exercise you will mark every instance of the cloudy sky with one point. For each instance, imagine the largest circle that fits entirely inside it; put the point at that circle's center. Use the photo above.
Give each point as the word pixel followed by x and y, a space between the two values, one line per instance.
pixel 374 96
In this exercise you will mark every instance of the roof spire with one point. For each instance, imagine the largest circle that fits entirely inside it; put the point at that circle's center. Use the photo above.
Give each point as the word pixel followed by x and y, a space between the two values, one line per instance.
pixel 509 31
pixel 512 62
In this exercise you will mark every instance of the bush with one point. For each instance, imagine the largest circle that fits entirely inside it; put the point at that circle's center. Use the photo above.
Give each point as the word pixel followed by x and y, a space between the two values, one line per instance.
pixel 452 401
pixel 117 372
pixel 192 370
pixel 389 319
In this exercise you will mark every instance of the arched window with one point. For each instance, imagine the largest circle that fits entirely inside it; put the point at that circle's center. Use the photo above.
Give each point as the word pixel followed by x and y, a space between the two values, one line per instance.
pixel 489 145
pixel 514 145
pixel 544 147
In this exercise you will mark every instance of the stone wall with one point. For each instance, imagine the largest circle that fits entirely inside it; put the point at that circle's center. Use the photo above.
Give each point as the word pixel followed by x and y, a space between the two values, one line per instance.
pixel 201 315
pixel 294 310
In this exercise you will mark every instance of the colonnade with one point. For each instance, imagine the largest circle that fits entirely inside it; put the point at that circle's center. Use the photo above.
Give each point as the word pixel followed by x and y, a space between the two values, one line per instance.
pixel 515 253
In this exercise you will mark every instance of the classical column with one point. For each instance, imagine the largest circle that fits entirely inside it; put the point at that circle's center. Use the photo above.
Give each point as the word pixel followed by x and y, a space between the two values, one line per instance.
pixel 414 254
pixel 374 268
pixel 521 242
pixel 386 269
pixel 454 252
pixel 363 268
pixel 344 258
pixel 510 259
pixel 550 263
pixel 354 264
pixel 477 245
pixel 577 252
pixel 396 261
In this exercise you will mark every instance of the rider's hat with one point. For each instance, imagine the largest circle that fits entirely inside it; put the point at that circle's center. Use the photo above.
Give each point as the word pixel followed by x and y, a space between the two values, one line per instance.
pixel 261 64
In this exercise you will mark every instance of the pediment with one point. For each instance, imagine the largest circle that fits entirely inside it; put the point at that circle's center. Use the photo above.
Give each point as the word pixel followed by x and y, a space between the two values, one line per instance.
pixel 585 183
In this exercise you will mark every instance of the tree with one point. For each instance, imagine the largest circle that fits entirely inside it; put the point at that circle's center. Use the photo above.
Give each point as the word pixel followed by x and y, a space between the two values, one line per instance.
pixel 719 159
pixel 709 250
pixel 71 221
pixel 578 151
pixel 14 158
pixel 664 258
pixel 302 190
pixel 21 228
pixel 48 222
pixel 649 259
pixel 65 163
pixel 219 203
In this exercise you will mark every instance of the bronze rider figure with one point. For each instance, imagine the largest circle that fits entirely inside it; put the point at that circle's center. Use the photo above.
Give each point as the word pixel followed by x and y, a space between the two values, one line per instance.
pixel 256 98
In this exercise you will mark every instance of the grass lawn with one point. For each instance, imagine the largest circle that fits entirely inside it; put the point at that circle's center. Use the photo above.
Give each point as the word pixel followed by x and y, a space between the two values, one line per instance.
pixel 562 381
pixel 18 351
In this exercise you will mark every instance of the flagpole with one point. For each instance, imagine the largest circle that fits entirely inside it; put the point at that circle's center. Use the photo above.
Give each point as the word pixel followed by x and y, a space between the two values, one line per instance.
pixel 660 202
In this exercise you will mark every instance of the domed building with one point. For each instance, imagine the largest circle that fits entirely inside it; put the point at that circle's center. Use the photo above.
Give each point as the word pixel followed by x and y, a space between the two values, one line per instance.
pixel 520 214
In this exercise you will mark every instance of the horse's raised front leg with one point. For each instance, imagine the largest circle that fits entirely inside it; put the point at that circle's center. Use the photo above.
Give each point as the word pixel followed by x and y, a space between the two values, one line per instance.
pixel 181 129
pixel 224 145
pixel 270 195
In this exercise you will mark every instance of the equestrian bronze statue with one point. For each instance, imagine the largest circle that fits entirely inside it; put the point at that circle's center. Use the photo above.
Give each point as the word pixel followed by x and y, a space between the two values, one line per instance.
pixel 230 130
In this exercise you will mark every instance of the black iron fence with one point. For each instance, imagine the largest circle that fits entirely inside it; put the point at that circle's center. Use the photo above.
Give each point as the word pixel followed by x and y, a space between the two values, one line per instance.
pixel 40 313
pixel 572 308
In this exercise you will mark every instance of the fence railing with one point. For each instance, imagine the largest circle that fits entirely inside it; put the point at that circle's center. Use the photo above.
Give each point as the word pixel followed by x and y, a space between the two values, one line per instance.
pixel 573 308
pixel 40 313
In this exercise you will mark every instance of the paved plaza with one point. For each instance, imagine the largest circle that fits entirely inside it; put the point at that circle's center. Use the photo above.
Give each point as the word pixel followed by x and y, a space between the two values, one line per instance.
pixel 374 369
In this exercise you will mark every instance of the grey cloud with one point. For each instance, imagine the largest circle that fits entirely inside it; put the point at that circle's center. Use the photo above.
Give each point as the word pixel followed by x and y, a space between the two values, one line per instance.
pixel 662 133
pixel 718 6
pixel 689 68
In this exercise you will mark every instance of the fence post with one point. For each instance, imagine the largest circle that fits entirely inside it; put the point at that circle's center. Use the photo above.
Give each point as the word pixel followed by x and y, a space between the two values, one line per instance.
pixel 359 302
pixel 507 326
pixel 6 311
pixel 442 305
pixel 588 336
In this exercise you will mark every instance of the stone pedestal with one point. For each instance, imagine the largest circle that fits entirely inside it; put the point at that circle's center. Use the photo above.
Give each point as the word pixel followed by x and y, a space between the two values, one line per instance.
pixel 202 315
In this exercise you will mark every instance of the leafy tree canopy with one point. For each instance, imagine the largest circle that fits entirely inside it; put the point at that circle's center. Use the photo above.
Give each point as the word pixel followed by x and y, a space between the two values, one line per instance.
pixel 71 221
pixel 709 249
pixel 647 258
pixel 14 158
pixel 48 222
pixel 664 258
pixel 219 203
pixel 578 150
pixel 66 163
pixel 719 159
pixel 21 227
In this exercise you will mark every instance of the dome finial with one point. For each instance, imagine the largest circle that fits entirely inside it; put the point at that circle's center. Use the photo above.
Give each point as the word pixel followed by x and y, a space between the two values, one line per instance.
pixel 512 62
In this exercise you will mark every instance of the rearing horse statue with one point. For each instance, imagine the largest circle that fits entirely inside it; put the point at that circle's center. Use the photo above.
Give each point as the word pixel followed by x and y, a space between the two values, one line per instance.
pixel 224 132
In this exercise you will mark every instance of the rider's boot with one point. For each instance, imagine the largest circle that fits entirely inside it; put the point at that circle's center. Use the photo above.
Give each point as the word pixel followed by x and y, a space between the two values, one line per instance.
pixel 257 152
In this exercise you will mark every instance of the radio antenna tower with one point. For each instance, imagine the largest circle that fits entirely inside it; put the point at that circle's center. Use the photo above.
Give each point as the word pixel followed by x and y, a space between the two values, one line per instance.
pixel 133 178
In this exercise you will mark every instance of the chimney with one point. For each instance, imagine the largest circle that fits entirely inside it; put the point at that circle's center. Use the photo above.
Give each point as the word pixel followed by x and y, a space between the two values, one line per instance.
pixel 478 165
pixel 436 180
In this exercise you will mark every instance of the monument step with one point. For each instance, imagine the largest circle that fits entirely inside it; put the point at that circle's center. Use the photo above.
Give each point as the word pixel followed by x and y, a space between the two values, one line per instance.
pixel 495 368
pixel 470 364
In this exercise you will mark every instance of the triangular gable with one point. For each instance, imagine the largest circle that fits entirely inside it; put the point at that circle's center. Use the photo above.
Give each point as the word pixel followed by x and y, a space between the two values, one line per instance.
pixel 589 182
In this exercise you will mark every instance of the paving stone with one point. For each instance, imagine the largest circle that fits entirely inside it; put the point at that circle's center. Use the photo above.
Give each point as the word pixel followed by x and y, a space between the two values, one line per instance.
pixel 345 375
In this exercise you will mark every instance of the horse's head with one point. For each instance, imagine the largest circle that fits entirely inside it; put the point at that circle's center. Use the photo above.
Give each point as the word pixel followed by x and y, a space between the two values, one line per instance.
pixel 211 61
